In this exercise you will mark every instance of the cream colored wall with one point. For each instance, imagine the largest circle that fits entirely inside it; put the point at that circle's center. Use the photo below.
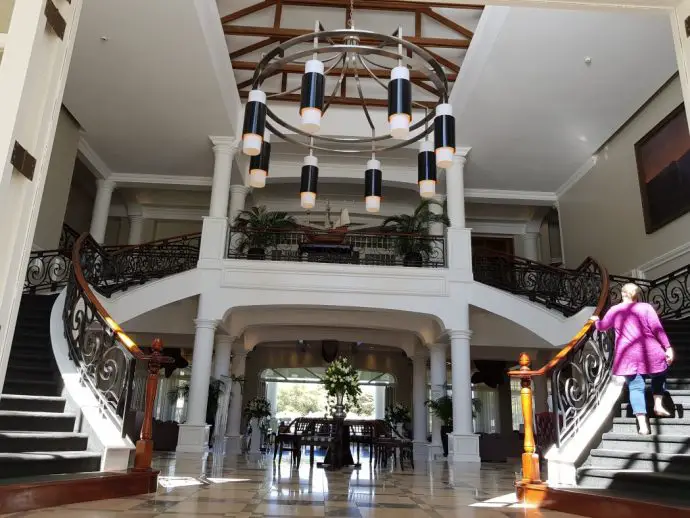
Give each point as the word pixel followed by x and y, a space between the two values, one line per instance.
pixel 6 7
pixel 58 180
pixel 117 231
pixel 601 215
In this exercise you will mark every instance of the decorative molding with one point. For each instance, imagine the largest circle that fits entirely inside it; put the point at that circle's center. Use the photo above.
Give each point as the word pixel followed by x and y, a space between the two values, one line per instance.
pixel 93 161
pixel 130 179
pixel 227 144
pixel 205 323
pixel 577 176
pixel 464 334
pixel 462 152
pixel 665 258
pixel 507 196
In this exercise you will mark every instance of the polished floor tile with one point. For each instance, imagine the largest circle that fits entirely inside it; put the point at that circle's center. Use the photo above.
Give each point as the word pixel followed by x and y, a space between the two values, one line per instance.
pixel 241 487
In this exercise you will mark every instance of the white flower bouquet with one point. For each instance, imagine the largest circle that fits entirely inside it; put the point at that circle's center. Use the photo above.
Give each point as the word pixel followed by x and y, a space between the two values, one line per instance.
pixel 341 382
pixel 258 408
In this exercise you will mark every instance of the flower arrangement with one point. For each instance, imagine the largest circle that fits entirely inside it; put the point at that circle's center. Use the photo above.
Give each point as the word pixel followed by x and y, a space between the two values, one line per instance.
pixel 258 408
pixel 398 414
pixel 341 382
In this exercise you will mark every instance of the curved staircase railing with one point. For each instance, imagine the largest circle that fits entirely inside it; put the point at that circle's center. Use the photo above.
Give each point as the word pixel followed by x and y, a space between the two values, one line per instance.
pixel 49 270
pixel 669 294
pixel 580 372
pixel 106 357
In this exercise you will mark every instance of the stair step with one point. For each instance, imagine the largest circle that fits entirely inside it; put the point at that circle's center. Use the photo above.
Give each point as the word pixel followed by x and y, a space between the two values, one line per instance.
pixel 676 410
pixel 23 403
pixel 32 388
pixel 667 444
pixel 17 421
pixel 640 483
pixel 33 358
pixel 47 463
pixel 17 442
pixel 658 426
pixel 627 460
pixel 31 373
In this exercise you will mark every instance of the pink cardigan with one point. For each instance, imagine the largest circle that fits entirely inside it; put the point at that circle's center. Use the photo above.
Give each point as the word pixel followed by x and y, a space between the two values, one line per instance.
pixel 641 341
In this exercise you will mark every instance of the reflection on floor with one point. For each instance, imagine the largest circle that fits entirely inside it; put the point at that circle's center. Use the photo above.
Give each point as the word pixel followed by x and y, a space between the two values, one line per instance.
pixel 252 488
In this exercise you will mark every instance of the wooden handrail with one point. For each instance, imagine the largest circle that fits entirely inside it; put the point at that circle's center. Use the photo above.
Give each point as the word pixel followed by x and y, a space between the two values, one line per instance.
pixel 118 249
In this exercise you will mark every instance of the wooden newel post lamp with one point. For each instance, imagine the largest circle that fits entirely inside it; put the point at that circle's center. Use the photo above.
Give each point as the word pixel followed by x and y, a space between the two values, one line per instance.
pixel 144 451
pixel 530 459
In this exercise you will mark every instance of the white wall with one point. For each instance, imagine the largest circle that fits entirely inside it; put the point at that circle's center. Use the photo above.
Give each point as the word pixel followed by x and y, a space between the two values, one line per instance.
pixel 117 230
pixel 601 215
pixel 58 182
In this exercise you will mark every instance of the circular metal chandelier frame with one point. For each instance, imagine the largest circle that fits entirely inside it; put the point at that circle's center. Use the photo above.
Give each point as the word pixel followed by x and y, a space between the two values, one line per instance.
pixel 419 60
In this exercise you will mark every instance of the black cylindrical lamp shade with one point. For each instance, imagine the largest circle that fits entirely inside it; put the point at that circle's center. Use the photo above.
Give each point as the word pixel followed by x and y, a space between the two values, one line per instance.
pixel 258 166
pixel 312 95
pixel 254 123
pixel 372 186
pixel 309 182
pixel 444 135
pixel 399 102
pixel 426 170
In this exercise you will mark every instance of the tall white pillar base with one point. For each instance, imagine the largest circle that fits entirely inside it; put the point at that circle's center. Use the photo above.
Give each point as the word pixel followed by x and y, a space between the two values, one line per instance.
pixel 214 237
pixel 420 450
pixel 233 444
pixel 435 453
pixel 465 448
pixel 193 438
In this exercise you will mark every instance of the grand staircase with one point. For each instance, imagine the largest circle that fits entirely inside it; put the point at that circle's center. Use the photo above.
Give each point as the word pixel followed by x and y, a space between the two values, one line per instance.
pixel 656 465
pixel 37 436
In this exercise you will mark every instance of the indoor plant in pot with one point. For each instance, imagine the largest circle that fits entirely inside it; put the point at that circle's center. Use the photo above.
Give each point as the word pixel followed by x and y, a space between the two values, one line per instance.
pixel 413 228
pixel 398 415
pixel 341 382
pixel 259 228
pixel 256 410
pixel 442 409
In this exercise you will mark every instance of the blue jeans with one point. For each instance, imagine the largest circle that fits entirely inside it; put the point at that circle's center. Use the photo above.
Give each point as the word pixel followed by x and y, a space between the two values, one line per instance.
pixel 636 389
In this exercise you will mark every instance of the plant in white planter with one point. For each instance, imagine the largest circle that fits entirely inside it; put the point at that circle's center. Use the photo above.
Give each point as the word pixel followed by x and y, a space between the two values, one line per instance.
pixel 256 410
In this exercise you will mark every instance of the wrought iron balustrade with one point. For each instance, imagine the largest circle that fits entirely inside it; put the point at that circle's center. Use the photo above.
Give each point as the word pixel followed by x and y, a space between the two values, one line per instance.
pixel 105 356
pixel 48 270
pixel 669 294
pixel 568 291
pixel 364 248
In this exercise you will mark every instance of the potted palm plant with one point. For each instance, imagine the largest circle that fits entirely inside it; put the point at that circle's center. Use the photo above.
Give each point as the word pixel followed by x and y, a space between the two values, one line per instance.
pixel 442 409
pixel 258 227
pixel 413 228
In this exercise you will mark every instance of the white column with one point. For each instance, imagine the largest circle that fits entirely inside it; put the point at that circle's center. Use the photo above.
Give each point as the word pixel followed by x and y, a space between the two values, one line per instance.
pixel 35 63
pixel 194 434
pixel 101 209
pixel 233 439
pixel 455 189
pixel 437 359
pixel 465 442
pixel 530 246
pixel 238 198
pixel 136 227
pixel 380 402
pixel 221 365
pixel 419 408
pixel 223 152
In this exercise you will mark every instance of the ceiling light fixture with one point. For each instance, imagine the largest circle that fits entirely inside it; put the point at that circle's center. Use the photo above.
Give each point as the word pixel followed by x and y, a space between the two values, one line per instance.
pixel 360 54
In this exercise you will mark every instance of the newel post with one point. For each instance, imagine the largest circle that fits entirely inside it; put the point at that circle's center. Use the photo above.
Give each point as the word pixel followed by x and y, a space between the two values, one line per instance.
pixel 144 451
pixel 530 459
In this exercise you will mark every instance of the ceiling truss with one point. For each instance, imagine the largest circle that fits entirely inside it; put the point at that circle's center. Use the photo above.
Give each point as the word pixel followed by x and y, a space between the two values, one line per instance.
pixel 276 33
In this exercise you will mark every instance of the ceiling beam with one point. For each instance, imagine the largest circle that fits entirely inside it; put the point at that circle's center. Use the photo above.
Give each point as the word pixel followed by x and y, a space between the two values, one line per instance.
pixel 349 72
pixel 251 48
pixel 247 11
pixel 344 101
pixel 286 34
pixel 445 62
pixel 381 5
pixel 443 20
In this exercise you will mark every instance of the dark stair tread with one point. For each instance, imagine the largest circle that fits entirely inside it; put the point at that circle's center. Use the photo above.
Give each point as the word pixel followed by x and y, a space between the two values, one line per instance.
pixel 45 415
pixel 622 454
pixel 626 495
pixel 671 421
pixel 28 397
pixel 43 456
pixel 612 436
pixel 655 477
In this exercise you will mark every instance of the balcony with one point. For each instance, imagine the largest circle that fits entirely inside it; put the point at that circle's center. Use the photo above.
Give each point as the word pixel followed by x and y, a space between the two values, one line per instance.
pixel 369 248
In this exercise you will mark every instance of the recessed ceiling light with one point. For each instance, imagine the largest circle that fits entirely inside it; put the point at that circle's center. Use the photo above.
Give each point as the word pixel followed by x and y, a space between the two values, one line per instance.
pixel 104 38
pixel 582 138
pixel 588 60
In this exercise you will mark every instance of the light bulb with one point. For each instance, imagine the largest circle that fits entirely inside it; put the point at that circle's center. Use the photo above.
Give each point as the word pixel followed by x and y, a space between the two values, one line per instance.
pixel 373 203
pixel 308 200
pixel 257 178
pixel 427 188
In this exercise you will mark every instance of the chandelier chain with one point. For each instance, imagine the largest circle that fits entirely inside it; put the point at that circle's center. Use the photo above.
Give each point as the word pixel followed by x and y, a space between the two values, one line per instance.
pixel 350 18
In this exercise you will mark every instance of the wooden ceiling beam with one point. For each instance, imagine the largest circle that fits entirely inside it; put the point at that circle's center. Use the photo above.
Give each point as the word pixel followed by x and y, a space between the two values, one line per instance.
pixel 443 20
pixel 286 34
pixel 251 48
pixel 247 11
pixel 425 86
pixel 445 62
pixel 381 5
pixel 343 101
pixel 298 69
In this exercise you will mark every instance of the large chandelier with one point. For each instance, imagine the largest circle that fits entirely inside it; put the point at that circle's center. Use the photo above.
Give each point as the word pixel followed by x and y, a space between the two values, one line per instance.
pixel 360 54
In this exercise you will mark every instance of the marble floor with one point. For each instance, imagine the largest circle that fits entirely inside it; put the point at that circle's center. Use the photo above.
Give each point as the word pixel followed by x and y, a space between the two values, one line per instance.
pixel 212 487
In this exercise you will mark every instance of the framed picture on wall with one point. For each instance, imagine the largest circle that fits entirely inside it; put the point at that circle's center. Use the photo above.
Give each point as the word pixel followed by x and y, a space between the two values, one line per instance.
pixel 663 166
